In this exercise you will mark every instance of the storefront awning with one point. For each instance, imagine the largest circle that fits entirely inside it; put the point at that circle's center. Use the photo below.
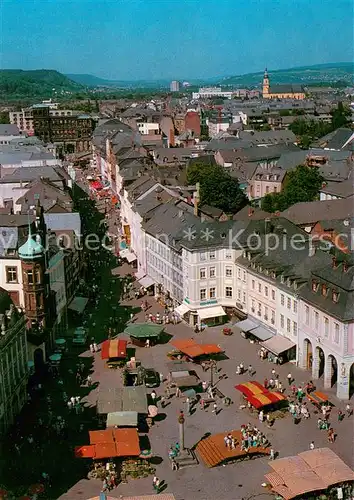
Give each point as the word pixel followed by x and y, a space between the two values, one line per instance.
pixel 182 309
pixel 277 344
pixel 122 419
pixel 211 312
pixel 146 281
pixel 127 254
pixel 78 304
pixel 140 274
pixel 261 333
pixel 246 325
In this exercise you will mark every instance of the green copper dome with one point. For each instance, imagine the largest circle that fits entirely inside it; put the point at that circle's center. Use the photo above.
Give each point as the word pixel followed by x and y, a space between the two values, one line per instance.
pixel 31 249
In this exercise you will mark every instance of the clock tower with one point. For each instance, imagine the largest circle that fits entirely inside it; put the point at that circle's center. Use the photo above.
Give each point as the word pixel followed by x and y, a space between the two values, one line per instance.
pixel 265 83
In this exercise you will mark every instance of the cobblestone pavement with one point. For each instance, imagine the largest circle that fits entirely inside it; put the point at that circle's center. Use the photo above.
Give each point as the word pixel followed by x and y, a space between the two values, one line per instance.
pixel 235 481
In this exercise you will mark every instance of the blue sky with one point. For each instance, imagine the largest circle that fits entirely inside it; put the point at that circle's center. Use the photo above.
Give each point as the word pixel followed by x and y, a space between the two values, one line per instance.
pixel 153 39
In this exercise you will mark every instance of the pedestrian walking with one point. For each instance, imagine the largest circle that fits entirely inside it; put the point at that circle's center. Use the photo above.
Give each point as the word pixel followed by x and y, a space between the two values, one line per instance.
pixel 91 348
pixel 250 370
pixel 202 404
pixel 290 378
pixel 348 410
pixel 161 378
pixel 266 383
pixel 153 396
pixel 174 464
pixel 188 404
pixel 272 454
pixel 312 445
pixel 157 486
pixel 215 409
pixel 178 392
pixel 95 347
pixel 131 316
pixel 261 416
pixel 89 380
pixel 163 401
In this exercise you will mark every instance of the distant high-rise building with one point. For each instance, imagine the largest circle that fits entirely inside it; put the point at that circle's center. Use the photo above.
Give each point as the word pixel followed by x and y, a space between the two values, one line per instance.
pixel 174 86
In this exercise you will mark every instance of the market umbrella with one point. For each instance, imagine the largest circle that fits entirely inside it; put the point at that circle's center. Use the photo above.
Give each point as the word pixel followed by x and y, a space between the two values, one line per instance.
pixel 55 357
pixel 153 411
pixel 144 330
pixel 35 489
pixel 60 341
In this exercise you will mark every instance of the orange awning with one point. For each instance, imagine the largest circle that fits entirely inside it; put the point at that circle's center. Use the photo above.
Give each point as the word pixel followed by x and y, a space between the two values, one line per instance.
pixel 104 436
pixel 127 442
pixel 251 388
pixel 265 399
pixel 105 450
pixel 192 349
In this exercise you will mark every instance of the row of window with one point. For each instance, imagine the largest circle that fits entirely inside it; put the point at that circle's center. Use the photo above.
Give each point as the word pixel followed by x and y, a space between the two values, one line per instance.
pixel 263 311
pixel 212 293
pixel 290 304
pixel 291 326
pixel 266 289
pixel 204 256
pixel 324 327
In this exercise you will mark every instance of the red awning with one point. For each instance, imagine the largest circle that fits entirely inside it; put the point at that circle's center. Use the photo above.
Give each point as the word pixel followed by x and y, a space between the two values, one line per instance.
pixel 265 399
pixel 114 349
pixel 97 185
pixel 87 451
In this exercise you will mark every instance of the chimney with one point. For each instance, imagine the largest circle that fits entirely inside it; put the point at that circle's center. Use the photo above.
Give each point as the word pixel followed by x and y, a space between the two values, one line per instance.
pixel 345 266
pixel 196 199
pixel 334 262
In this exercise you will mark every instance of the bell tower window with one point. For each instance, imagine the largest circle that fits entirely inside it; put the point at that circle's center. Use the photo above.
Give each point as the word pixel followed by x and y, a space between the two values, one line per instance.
pixel 30 277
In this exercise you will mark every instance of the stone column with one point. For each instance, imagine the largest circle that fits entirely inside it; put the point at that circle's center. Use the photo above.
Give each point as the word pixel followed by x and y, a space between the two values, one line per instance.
pixel 181 429
pixel 315 364
pixel 328 372
pixel 343 381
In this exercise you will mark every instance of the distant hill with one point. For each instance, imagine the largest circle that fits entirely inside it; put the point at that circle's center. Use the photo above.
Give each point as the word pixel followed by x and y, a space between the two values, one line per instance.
pixel 17 83
pixel 94 81
pixel 320 73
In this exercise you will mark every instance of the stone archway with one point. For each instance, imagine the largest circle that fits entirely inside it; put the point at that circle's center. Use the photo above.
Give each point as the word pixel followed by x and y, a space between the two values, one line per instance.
pixel 308 354
pixel 319 362
pixel 332 371
pixel 351 381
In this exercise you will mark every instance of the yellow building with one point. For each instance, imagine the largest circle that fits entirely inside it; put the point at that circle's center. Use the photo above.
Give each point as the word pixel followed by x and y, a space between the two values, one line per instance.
pixel 287 91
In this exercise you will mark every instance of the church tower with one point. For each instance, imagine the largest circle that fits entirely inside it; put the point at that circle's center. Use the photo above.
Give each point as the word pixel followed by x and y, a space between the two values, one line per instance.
pixel 265 83
pixel 32 255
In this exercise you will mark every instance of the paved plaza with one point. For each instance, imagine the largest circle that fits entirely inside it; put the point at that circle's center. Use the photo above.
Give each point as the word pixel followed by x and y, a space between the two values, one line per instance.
pixel 231 482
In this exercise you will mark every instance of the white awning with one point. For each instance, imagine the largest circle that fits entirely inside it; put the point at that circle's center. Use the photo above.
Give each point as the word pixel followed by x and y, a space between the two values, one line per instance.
pixel 211 312
pixel 146 281
pixel 182 309
pixel 278 344
pixel 127 254
pixel 140 274
pixel 246 325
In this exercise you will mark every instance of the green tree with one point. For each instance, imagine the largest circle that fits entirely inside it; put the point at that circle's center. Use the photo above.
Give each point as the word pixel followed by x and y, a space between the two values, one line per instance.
pixel 217 187
pixel 340 116
pixel 302 184
pixel 4 117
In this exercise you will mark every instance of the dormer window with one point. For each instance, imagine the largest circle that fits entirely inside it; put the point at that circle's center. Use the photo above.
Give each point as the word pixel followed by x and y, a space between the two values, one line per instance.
pixel 314 286
pixel 244 254
pixel 274 275
pixel 260 269
pixel 249 256
pixel 335 296
pixel 267 272
pixel 324 290
pixel 282 279
pixel 288 282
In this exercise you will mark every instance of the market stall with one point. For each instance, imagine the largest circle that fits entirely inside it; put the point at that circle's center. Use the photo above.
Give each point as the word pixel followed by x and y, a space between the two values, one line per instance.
pixel 319 398
pixel 258 397
pixel 280 349
pixel 311 474
pixel 192 350
pixel 140 333
pixel 114 351
pixel 122 419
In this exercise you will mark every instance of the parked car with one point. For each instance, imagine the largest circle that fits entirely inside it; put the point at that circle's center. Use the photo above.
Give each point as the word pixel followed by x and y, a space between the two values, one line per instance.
pixel 152 378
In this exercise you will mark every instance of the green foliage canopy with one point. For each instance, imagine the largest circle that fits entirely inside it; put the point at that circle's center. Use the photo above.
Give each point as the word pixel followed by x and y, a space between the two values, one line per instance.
pixel 217 188
pixel 301 184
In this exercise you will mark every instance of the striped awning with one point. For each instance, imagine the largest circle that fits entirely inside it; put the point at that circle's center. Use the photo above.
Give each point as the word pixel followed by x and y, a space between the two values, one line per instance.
pixel 116 348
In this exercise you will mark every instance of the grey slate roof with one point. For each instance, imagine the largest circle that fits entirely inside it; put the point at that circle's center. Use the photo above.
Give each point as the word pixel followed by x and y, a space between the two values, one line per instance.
pixel 27 174
pixel 286 89
pixel 9 129
pixel 268 136
pixel 308 213
pixel 64 221
pixel 341 189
